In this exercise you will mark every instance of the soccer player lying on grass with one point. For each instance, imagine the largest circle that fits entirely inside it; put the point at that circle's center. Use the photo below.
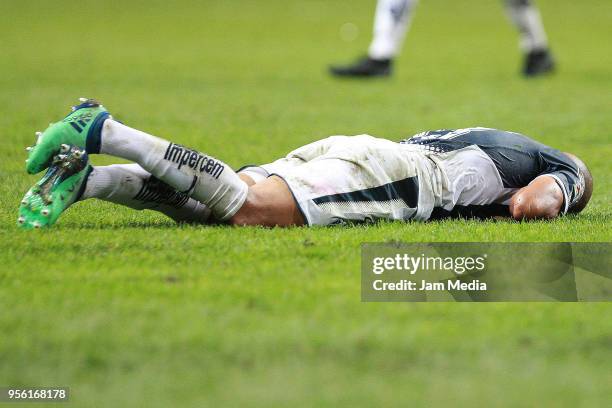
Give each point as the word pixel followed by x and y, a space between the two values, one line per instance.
pixel 475 172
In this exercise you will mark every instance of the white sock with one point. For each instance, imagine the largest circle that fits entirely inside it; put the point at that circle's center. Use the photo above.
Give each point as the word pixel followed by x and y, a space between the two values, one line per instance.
pixel 526 17
pixel 134 187
pixel 390 25
pixel 208 180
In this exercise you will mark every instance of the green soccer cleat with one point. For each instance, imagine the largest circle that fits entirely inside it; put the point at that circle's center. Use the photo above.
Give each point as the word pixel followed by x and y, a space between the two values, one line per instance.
pixel 61 186
pixel 81 128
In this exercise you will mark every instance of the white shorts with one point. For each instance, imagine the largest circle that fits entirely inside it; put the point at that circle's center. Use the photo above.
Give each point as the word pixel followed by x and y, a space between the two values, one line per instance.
pixel 358 179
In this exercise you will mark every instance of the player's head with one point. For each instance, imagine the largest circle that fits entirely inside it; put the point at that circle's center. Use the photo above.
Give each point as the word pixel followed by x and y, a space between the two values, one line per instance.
pixel 584 173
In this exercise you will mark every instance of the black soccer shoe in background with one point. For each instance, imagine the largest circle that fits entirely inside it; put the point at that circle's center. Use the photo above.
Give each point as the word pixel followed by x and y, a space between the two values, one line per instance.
pixel 362 68
pixel 538 62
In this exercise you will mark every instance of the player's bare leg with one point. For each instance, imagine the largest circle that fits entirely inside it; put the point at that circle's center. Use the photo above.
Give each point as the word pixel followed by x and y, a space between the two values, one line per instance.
pixel 269 203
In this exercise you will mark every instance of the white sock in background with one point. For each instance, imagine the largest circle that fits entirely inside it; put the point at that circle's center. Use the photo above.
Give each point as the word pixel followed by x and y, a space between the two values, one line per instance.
pixel 390 25
pixel 526 17
pixel 206 179
pixel 132 186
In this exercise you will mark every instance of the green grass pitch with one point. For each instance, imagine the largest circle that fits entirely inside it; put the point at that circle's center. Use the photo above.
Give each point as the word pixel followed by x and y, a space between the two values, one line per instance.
pixel 128 309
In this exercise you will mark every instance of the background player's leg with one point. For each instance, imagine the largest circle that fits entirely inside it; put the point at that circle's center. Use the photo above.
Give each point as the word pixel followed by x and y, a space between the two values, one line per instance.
pixel 390 25
pixel 134 187
pixel 526 17
pixel 195 174
pixel 391 22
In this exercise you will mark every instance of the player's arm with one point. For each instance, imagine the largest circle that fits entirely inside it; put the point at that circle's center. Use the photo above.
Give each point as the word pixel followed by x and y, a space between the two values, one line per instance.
pixel 542 198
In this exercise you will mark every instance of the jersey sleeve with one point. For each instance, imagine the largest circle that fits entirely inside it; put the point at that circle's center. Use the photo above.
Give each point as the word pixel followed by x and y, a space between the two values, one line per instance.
pixel 566 173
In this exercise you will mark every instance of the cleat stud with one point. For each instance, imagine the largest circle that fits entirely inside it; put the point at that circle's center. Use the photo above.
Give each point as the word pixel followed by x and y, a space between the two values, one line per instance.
pixel 64 148
pixel 21 220
pixel 78 154
pixel 24 202
pixel 83 99
pixel 29 149
pixel 38 133
pixel 45 212
pixel 36 225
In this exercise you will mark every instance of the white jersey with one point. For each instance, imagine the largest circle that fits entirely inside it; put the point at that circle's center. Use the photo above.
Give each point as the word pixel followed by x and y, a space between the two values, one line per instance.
pixel 362 178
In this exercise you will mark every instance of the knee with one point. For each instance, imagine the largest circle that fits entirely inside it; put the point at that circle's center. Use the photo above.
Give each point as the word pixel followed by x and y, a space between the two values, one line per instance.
pixel 269 204
pixel 249 213
pixel 256 210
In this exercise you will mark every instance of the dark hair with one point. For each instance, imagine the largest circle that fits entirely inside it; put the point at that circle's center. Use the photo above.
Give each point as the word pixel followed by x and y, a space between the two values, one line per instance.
pixel 584 173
